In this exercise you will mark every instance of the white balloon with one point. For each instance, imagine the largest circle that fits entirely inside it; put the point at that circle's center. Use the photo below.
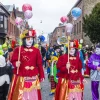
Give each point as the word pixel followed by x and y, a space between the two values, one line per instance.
pixel 69 27
pixel 28 14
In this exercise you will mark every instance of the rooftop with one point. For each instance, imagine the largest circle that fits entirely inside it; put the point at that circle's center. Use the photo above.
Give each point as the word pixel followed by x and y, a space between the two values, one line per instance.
pixel 10 7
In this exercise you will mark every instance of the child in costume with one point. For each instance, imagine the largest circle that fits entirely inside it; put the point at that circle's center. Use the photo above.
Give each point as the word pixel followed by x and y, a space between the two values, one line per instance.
pixel 87 71
pixel 53 74
pixel 26 81
pixel 94 65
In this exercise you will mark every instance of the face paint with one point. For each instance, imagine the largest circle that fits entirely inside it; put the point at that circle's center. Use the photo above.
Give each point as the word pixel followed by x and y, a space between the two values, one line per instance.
pixel 29 41
pixel 97 51
pixel 72 51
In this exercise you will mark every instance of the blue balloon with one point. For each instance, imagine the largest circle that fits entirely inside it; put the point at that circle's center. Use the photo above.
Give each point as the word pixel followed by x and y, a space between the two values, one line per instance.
pixel 76 12
pixel 42 38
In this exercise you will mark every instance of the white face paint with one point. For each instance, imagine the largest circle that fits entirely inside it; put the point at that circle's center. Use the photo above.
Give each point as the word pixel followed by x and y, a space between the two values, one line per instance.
pixel 97 51
pixel 29 41
pixel 72 51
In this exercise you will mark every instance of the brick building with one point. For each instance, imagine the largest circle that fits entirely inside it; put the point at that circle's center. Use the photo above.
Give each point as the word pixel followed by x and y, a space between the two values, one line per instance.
pixel 58 32
pixel 86 6
pixel 11 22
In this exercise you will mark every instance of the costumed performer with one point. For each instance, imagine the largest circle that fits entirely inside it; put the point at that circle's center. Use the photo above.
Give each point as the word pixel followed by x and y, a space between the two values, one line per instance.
pixel 94 65
pixel 26 84
pixel 70 85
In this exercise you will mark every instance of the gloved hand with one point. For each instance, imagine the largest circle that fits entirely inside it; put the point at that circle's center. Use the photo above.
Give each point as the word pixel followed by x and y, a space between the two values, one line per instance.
pixel 18 63
pixel 41 79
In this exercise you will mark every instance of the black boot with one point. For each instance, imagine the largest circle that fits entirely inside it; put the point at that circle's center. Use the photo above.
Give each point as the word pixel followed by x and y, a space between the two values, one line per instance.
pixel 1 93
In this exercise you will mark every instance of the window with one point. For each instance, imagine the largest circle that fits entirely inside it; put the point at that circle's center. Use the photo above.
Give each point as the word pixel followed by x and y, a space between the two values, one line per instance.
pixel 80 29
pixel 77 28
pixel 5 23
pixel 63 30
pixel 58 29
pixel 1 25
pixel 1 18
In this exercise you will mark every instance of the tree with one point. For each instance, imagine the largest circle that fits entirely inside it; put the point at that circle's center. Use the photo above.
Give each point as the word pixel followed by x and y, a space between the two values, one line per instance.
pixel 91 24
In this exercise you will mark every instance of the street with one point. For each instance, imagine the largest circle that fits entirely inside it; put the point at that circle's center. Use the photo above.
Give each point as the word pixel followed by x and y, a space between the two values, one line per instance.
pixel 46 90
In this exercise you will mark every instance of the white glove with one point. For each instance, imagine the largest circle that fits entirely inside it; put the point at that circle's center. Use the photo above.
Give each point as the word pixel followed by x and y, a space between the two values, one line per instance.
pixel 18 63
pixel 68 65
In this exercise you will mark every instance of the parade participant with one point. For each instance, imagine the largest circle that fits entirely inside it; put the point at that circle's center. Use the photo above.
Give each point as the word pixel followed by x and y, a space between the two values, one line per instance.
pixel 4 79
pixel 81 54
pixel 87 70
pixel 94 65
pixel 70 85
pixel 30 72
pixel 53 74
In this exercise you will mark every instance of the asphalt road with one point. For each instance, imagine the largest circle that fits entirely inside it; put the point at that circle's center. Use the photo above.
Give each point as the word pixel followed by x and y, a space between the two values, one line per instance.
pixel 46 89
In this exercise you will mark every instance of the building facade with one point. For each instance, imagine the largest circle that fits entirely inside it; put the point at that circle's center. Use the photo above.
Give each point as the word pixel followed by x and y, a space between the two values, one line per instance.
pixel 58 32
pixel 86 7
pixel 77 32
pixel 11 22
pixel 4 18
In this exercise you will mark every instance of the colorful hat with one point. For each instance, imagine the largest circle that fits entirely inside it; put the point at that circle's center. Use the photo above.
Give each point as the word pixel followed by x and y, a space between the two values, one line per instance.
pixel 74 44
pixel 28 33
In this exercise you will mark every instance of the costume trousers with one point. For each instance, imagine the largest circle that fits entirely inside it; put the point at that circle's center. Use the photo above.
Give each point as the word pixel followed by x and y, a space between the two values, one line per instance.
pixel 95 92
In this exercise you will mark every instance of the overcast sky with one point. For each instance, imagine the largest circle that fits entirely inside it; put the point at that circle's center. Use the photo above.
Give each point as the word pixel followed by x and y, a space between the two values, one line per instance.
pixel 49 11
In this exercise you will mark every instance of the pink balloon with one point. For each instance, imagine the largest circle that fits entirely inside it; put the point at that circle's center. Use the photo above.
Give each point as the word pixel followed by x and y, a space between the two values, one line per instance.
pixel 26 7
pixel 64 19
pixel 18 21
pixel 69 27
pixel 28 14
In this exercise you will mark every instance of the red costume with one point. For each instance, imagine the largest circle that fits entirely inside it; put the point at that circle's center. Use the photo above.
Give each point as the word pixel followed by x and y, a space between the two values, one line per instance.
pixel 30 58
pixel 26 83
pixel 87 71
pixel 74 75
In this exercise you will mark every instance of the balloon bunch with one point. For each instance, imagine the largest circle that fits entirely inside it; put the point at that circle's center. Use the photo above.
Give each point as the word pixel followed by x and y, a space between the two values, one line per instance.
pixel 27 9
pixel 76 13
